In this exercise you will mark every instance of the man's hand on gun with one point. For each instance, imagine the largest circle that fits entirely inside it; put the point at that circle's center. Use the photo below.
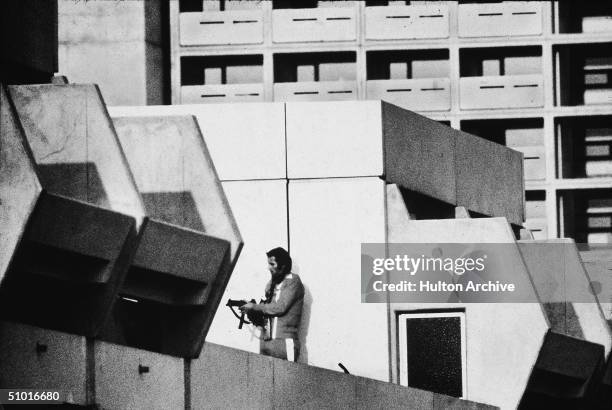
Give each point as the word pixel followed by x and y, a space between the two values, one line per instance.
pixel 246 308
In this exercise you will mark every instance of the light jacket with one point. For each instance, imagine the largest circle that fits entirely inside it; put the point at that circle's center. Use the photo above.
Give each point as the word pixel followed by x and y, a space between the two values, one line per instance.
pixel 285 308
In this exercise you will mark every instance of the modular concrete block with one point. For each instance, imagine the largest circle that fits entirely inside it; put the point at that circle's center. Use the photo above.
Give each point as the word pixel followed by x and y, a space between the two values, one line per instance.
pixel 131 378
pixel 19 184
pixel 370 394
pixel 326 139
pixel 79 237
pixel 299 386
pixel 419 154
pixel 189 242
pixel 116 45
pixel 227 378
pixel 452 166
pixel 74 145
pixel 489 178
pixel 35 358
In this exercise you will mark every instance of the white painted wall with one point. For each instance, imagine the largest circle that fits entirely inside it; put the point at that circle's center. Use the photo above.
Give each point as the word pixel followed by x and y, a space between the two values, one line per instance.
pixel 329 219
pixel 334 139
pixel 260 209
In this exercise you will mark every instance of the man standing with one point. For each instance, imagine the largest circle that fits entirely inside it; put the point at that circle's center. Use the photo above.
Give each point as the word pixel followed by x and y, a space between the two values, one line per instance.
pixel 283 306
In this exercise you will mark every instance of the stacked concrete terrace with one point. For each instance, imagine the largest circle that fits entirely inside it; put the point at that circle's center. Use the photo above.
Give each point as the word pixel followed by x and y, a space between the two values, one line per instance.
pixel 91 256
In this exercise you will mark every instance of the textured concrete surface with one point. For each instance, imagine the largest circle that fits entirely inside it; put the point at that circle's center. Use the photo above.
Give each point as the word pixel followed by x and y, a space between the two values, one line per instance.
pixel 19 185
pixel 75 147
pixel 116 45
pixel 419 154
pixel 452 166
pixel 78 232
pixel 168 155
pixel 227 378
pixel 189 241
pixel 35 358
pixel 489 178
pixel 136 379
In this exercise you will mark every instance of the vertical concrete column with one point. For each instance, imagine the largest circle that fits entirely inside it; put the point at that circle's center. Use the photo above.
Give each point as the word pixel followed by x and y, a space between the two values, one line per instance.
pixel 116 44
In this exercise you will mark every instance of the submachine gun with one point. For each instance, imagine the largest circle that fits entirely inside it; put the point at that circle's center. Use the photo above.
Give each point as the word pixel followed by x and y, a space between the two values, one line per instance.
pixel 256 318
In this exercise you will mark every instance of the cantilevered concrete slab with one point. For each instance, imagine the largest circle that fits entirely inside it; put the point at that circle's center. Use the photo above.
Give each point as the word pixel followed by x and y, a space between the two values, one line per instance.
pixel 73 251
pixel 189 241
pixel 373 138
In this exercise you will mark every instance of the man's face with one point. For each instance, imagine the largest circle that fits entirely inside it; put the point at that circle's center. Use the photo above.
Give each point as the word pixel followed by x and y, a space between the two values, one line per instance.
pixel 273 267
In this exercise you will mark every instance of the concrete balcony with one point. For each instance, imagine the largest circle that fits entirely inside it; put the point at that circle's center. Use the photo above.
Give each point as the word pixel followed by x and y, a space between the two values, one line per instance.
pixel 316 91
pixel 314 25
pixel 218 93
pixel 428 94
pixel 508 18
pixel 221 27
pixel 510 91
pixel 406 22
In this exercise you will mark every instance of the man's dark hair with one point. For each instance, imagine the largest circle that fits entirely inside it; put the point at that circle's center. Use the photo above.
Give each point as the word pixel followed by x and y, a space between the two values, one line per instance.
pixel 282 258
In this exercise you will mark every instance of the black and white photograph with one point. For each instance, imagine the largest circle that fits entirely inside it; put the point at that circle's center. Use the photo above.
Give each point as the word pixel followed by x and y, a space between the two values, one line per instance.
pixel 305 204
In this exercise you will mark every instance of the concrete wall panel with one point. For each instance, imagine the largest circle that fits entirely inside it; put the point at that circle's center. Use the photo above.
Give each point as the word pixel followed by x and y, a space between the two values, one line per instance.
pixel 297 386
pixel 35 358
pixel 419 153
pixel 329 219
pixel 227 378
pixel 19 185
pixel 246 141
pixel 115 45
pixel 489 178
pixel 136 379
pixel 370 394
pixel 260 209
pixel 334 139
pixel 168 154
pixel 75 147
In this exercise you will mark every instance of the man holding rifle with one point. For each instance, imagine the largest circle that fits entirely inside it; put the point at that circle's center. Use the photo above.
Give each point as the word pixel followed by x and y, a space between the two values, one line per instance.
pixel 283 307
